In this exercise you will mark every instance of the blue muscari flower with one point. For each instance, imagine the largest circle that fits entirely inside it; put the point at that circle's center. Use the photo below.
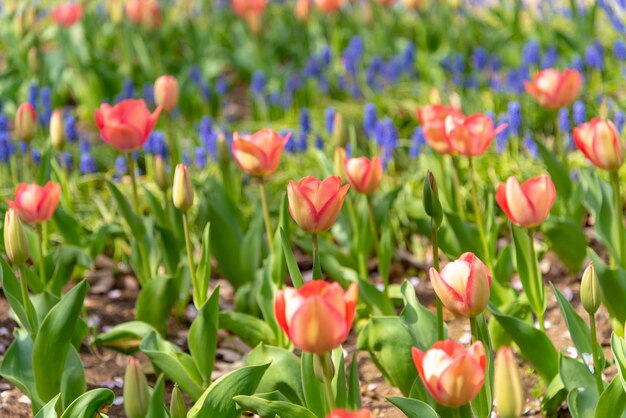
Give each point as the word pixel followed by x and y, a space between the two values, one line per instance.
pixel 408 58
pixel 84 146
pixel 491 115
pixel 305 121
pixel 67 156
pixel 319 142
pixel 257 84
pixel 342 83
pixel 417 142
pixel 619 49
pixel 579 112
pixel 4 123
pixel 514 118
pixel 312 69
pixel 302 142
pixel 386 138
pixel 530 145
pixel 326 55
pixel 329 120
pixel 23 147
pixel 619 120
pixel 371 79
pixel 195 75
pixel 565 125
pixel 577 64
pixel 70 127
pixel 32 94
pixel 127 89
pixel 322 84
pixel 479 58
pixel 46 106
pixel 87 165
pixel 550 58
pixel 503 136
pixel 120 166
pixel 186 158
pixel 287 99
pixel 201 157
pixel 293 83
pixel 276 98
pixel 471 82
pixel 593 57
pixel 36 155
pixel 291 145
pixel 348 149
pixel 446 64
pixel 221 86
pixel 531 53
pixel 5 151
pixel 495 62
pixel 159 147
pixel 355 91
pixel 458 63
pixel 392 70
pixel 369 119
pixel 148 95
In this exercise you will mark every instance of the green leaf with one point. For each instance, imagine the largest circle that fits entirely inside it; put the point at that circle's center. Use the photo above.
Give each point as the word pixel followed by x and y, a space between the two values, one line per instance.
pixel 482 404
pixel 155 301
pixel 203 272
pixel 217 400
pixel 313 390
pixel 599 201
pixel 618 348
pixel 271 409
pixel 49 409
pixel 250 329
pixel 533 344
pixel 580 383
pixel 292 266
pixel 132 219
pixel 125 337
pixel 73 383
pixel 339 379
pixel 354 387
pixel 203 336
pixel 612 399
pixel 420 321
pixel 528 270
pixel 558 171
pixel 567 240
pixel 53 341
pixel 612 287
pixel 90 404
pixel 17 367
pixel 156 406
pixel 69 227
pixel 252 248
pixel 413 408
pixel 461 235
pixel 11 289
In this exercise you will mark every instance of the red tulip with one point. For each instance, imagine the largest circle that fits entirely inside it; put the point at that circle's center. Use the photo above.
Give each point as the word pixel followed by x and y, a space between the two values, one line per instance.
pixel 67 14
pixel 529 204
pixel 25 122
pixel 166 92
pixel 315 204
pixel 246 8
pixel 317 317
pixel 329 6
pixel 553 89
pixel 601 144
pixel 432 118
pixel 344 413
pixel 452 374
pixel 385 2
pixel 146 13
pixel 364 174
pixel 127 125
pixel 259 154
pixel 470 136
pixel 35 204
pixel 463 285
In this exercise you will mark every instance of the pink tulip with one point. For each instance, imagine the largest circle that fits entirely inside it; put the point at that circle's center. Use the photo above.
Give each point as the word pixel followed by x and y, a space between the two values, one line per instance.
pixel 344 413
pixel 463 285
pixel 432 119
pixel 67 14
pixel 127 125
pixel 470 136
pixel 317 317
pixel 452 374
pixel 146 13
pixel 259 154
pixel 315 204
pixel 166 92
pixel 601 143
pixel 35 204
pixel 553 89
pixel 25 122
pixel 363 174
pixel 529 204
pixel 329 6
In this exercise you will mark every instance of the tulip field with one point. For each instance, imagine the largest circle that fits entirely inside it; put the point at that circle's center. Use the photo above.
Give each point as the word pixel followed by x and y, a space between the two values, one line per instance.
pixel 312 208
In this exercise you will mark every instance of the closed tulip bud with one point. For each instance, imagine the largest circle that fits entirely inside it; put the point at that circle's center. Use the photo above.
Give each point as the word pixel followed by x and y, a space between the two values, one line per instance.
pixel 315 204
pixel 553 89
pixel 178 409
pixel 15 240
pixel 182 190
pixel 590 290
pixel 344 413
pixel 25 122
pixel 136 394
pixel 463 285
pixel 223 149
pixel 529 204
pixel 340 136
pixel 57 130
pixel 161 173
pixel 363 174
pixel 166 92
pixel 432 205
pixel 509 393
pixel 600 141
pixel 340 157
pixel 33 60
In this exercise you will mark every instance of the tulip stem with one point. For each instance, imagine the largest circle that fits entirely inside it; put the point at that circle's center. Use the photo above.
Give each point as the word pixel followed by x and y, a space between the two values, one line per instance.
pixel 198 297
pixel 176 158
pixel 143 254
pixel 133 180
pixel 457 186
pixel 266 216
pixel 435 243
pixel 42 266
pixel 456 413
pixel 619 216
pixel 594 352
pixel 478 214
pixel 317 265
pixel 372 221
pixel 28 306
pixel 536 282
pixel 325 368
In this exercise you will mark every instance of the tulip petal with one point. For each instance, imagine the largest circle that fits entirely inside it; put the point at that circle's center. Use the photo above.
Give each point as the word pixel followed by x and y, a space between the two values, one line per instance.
pixel 317 327
pixel 522 208
pixel 541 192
pixel 452 297
pixel 461 381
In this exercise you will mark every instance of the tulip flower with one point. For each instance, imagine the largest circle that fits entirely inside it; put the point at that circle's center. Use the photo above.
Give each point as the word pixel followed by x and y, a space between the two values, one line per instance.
pixel 182 190
pixel 35 204
pixel 136 390
pixel 463 285
pixel 470 136
pixel 127 125
pixel 57 130
pixel 146 13
pixel 452 374
pixel 526 205
pixel 432 118
pixel 317 317
pixel 553 89
pixel 509 392
pixel 344 413
pixel 329 6
pixel 258 154
pixel 67 14
pixel 303 10
pixel 15 240
pixel 245 8
pixel 364 174
pixel 315 204
pixel 25 122
pixel 601 143
pixel 166 92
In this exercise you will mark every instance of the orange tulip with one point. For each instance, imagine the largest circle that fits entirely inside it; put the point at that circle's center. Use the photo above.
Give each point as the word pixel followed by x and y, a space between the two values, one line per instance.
pixel 246 8
pixel 364 174
pixel 452 374
pixel 303 10
pixel 127 125
pixel 526 205
pixel 553 89
pixel 317 317
pixel 67 14
pixel 25 122
pixel 34 203
pixel 601 144
pixel 432 118
pixel 470 136
pixel 463 285
pixel 166 92
pixel 344 413
pixel 315 204
pixel 329 6
pixel 146 13
pixel 259 154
